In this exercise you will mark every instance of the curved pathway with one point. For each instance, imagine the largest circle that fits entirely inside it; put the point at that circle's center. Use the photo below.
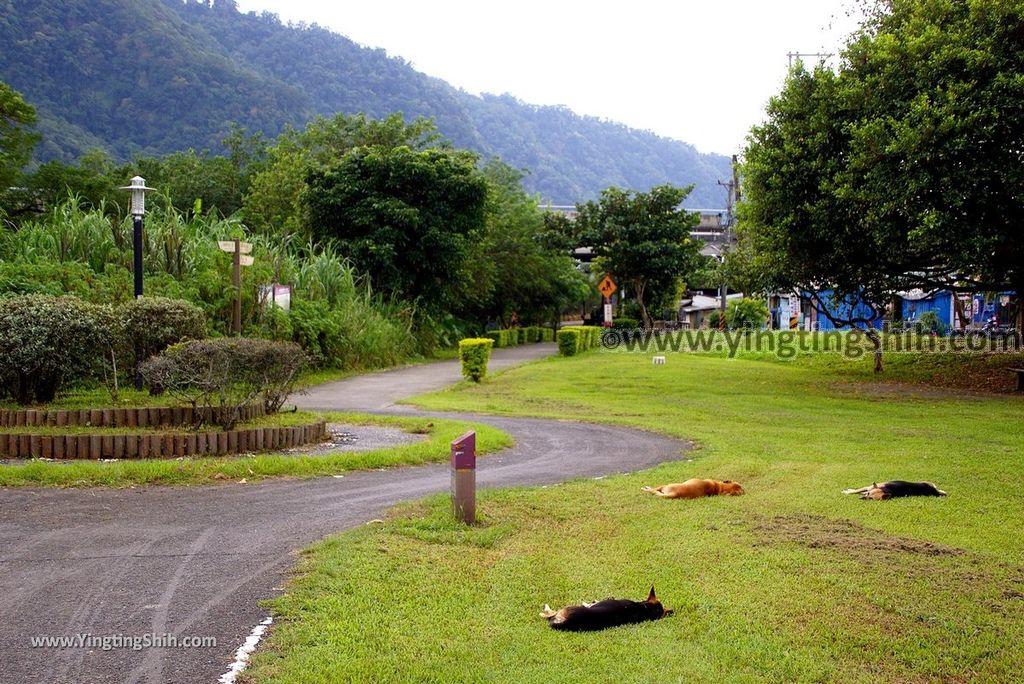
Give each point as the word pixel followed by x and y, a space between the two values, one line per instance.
pixel 196 561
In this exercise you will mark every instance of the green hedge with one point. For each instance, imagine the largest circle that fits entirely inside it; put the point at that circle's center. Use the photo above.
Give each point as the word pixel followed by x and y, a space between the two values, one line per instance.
pixel 569 342
pixel 528 335
pixel 495 336
pixel 575 339
pixel 625 323
pixel 474 353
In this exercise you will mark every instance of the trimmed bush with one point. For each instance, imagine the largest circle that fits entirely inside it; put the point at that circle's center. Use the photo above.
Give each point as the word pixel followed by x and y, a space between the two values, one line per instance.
pixel 569 341
pixel 152 324
pixel 496 336
pixel 625 323
pixel 586 337
pixel 508 337
pixel 227 374
pixel 547 335
pixel 474 353
pixel 49 342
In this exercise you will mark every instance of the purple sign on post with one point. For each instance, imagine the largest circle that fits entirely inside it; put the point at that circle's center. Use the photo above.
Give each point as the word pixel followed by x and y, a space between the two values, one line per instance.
pixel 464 452
pixel 464 478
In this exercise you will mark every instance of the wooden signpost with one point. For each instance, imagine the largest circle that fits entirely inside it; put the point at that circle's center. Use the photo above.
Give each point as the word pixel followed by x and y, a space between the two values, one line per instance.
pixel 241 252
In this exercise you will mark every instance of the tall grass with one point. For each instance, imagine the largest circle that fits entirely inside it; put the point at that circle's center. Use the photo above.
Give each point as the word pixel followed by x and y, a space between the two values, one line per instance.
pixel 335 313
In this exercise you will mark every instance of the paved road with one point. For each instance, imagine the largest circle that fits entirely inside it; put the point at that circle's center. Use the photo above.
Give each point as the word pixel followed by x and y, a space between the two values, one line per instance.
pixel 379 391
pixel 196 561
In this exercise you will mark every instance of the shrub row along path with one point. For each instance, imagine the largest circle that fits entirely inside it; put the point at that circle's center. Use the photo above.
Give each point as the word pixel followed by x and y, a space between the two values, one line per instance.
pixel 196 561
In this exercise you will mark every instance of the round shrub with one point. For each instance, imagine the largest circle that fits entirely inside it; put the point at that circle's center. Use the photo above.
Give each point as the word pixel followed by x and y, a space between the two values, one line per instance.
pixel 47 343
pixel 227 374
pixel 474 353
pixel 151 324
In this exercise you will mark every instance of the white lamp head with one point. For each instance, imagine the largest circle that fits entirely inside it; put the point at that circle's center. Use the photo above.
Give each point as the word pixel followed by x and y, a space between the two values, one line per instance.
pixel 138 189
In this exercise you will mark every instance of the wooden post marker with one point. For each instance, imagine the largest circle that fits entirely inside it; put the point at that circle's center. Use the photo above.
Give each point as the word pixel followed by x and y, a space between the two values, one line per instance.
pixel 464 478
pixel 241 251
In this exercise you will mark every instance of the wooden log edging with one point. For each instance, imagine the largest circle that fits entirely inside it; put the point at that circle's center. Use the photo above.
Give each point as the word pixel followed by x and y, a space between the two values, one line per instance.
pixel 166 445
pixel 147 416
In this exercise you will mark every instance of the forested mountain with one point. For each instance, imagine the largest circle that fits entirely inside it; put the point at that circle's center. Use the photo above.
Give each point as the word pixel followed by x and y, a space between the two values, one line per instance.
pixel 156 76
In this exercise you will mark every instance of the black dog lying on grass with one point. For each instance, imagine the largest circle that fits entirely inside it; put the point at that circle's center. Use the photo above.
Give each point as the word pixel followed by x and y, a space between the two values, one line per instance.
pixel 894 489
pixel 604 614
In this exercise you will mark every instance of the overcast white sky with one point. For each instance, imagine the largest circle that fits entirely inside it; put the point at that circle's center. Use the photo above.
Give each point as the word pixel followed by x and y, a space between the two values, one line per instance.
pixel 699 71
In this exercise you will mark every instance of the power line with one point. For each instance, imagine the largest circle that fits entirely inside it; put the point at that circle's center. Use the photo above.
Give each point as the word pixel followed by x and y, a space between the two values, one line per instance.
pixel 822 56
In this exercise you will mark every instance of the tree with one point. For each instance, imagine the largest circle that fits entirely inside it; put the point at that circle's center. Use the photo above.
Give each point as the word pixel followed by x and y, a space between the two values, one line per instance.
pixel 405 217
pixel 16 139
pixel 511 270
pixel 641 238
pixel 273 201
pixel 901 169
pixel 94 181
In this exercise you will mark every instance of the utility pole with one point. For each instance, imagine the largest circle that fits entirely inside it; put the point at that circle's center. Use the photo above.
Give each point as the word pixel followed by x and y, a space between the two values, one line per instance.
pixel 731 195
pixel 822 56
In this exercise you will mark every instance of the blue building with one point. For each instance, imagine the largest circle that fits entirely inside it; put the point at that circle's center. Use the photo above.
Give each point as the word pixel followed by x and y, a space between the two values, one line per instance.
pixel 850 308
pixel 918 302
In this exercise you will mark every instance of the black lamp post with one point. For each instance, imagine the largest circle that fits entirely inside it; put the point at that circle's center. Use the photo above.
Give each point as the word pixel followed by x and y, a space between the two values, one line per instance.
pixel 138 189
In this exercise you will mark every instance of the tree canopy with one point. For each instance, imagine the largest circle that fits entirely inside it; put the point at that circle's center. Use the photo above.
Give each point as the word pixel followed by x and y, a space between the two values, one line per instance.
pixel 17 139
pixel 903 167
pixel 641 238
pixel 404 217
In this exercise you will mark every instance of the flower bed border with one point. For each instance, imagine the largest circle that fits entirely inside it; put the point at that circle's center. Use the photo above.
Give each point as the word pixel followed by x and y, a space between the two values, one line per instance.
pixel 162 416
pixel 169 445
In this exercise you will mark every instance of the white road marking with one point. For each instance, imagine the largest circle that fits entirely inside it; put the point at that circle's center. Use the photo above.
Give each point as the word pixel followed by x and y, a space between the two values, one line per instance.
pixel 244 651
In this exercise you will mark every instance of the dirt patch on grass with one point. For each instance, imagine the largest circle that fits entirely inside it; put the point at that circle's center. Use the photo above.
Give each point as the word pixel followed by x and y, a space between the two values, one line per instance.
pixel 942 375
pixel 901 391
pixel 816 532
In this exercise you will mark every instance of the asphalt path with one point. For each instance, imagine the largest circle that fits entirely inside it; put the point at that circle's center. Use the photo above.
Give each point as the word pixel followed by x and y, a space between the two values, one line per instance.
pixel 196 561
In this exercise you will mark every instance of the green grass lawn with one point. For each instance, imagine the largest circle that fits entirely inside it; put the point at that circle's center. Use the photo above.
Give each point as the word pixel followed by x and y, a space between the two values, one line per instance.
pixel 207 470
pixel 792 582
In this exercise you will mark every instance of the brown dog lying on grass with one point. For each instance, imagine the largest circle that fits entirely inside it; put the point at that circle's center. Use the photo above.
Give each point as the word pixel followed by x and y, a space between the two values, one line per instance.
pixel 610 612
pixel 894 489
pixel 694 489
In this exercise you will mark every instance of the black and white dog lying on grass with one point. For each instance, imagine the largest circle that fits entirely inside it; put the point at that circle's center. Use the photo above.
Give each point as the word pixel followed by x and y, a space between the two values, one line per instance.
pixel 894 489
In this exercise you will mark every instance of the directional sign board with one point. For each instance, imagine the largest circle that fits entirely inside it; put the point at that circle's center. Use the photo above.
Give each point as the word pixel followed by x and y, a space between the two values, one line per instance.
pixel 229 246
pixel 607 286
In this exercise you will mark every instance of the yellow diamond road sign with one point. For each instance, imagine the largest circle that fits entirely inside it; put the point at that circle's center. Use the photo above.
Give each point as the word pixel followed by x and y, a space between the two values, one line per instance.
pixel 607 286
